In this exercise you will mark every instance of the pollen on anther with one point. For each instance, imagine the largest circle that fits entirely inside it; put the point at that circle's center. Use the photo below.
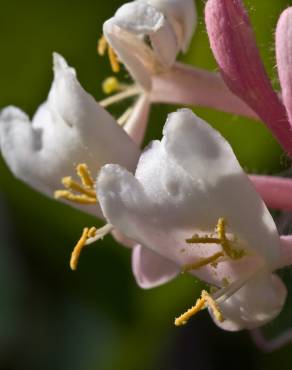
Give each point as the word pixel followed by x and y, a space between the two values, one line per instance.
pixel 102 46
pixel 201 303
pixel 111 85
pixel 85 191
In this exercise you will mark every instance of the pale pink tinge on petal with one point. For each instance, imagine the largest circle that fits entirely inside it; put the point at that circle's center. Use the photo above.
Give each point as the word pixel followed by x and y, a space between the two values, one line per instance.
pixel 258 301
pixel 284 57
pixel 136 125
pixel 234 47
pixel 285 251
pixel 275 191
pixel 195 86
pixel 150 269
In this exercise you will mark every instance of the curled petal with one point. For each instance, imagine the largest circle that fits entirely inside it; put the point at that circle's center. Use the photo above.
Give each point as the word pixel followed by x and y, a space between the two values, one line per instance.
pixel 182 16
pixel 68 128
pixel 126 31
pixel 284 57
pixel 259 301
pixel 150 269
pixel 234 47
pixel 182 184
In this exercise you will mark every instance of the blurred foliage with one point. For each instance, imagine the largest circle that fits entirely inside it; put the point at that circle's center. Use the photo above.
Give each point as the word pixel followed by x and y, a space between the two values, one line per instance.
pixel 97 318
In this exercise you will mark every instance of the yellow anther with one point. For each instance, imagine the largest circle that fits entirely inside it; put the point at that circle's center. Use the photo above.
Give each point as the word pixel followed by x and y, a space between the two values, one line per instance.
pixel 86 234
pixel 76 198
pixel 184 318
pixel 221 230
pixel 205 300
pixel 195 239
pixel 85 175
pixel 221 239
pixel 77 249
pixel 91 232
pixel 113 60
pixel 87 194
pixel 102 46
pixel 202 262
pixel 89 236
pixel 70 184
pixel 111 85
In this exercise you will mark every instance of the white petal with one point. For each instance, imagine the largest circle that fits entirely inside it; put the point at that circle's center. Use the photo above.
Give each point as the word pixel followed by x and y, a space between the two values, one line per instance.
pixel 182 16
pixel 139 18
pixel 69 128
pixel 126 31
pixel 256 303
pixel 183 185
pixel 150 269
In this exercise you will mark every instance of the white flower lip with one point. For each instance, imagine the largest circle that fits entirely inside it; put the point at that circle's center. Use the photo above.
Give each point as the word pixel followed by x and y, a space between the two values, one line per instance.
pixel 182 186
pixel 183 17
pixel 68 128
pixel 168 26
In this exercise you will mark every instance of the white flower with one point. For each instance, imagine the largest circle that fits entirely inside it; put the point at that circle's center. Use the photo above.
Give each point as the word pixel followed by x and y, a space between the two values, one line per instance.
pixel 167 24
pixel 69 128
pixel 191 207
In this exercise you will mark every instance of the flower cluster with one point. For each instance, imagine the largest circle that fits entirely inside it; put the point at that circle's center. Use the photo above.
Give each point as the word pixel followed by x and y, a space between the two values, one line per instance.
pixel 183 204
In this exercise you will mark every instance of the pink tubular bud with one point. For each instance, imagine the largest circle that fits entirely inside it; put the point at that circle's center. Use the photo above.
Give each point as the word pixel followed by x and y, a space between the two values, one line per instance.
pixel 276 192
pixel 284 57
pixel 234 47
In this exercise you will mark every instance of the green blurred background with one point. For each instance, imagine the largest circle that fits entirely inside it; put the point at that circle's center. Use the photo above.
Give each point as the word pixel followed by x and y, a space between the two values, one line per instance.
pixel 97 318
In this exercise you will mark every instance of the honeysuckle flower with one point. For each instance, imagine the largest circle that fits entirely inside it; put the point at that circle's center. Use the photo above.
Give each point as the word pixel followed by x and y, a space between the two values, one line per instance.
pixel 69 128
pixel 146 36
pixel 190 207
pixel 234 47
pixel 169 26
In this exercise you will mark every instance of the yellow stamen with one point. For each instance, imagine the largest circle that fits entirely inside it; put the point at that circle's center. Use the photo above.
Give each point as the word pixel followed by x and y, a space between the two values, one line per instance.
pixel 221 230
pixel 201 303
pixel 111 85
pixel 113 60
pixel 202 262
pixel 195 239
pixel 70 184
pixel 85 175
pixel 86 189
pixel 213 306
pixel 78 248
pixel 81 199
pixel 226 245
pixel 183 319
pixel 89 236
pixel 102 45
pixel 86 234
